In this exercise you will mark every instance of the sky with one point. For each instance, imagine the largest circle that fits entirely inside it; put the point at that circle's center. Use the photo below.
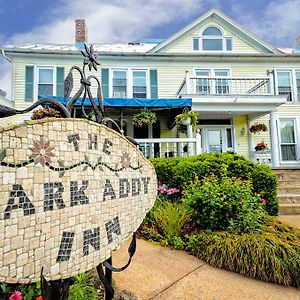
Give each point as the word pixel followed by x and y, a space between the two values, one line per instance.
pixel 44 21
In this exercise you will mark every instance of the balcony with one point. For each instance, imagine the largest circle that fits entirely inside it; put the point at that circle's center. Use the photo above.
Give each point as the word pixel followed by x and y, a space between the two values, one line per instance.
pixel 222 86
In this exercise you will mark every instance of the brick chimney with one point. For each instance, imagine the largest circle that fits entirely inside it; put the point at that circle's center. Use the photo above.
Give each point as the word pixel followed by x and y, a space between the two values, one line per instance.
pixel 81 33
pixel 297 45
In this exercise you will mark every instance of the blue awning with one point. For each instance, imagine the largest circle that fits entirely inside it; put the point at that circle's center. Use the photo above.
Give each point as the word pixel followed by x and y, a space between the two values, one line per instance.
pixel 134 102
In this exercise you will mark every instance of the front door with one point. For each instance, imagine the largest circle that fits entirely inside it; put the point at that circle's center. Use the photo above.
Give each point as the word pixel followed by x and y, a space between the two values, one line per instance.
pixel 214 140
pixel 217 139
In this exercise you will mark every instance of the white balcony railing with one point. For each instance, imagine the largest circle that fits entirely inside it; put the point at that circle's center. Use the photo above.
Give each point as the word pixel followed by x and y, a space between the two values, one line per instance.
pixel 199 85
pixel 170 147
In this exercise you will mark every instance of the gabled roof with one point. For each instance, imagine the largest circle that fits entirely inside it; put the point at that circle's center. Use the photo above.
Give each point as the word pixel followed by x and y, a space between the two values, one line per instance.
pixel 228 22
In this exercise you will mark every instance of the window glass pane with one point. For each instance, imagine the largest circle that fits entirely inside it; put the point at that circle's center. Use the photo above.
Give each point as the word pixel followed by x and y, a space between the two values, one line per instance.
pixel 45 76
pixel 45 90
pixel 287 132
pixel 212 31
pixel 229 138
pixel 139 84
pixel 222 85
pixel 119 84
pixel 222 73
pixel 195 43
pixel 202 85
pixel 229 44
pixel 284 84
pixel 212 44
pixel 298 85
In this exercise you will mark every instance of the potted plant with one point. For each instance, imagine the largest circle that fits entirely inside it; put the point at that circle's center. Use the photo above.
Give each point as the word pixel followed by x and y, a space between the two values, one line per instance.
pixel 258 127
pixel 260 146
pixel 144 117
pixel 185 119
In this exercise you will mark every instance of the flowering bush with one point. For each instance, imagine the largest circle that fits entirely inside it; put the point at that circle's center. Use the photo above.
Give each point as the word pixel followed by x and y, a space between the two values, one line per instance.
pixel 16 295
pixel 163 189
pixel 45 113
pixel 260 146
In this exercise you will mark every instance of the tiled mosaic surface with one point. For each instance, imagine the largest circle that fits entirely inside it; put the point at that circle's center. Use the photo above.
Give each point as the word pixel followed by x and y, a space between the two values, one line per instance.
pixel 71 192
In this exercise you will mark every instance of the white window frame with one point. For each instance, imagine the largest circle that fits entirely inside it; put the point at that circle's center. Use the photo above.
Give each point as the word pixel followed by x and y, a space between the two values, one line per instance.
pixel 212 75
pixel 37 79
pixel 222 37
pixel 297 139
pixel 129 77
pixel 293 83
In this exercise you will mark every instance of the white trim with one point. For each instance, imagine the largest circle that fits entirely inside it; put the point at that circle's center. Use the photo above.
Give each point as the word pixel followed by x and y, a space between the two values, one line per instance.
pixel 36 79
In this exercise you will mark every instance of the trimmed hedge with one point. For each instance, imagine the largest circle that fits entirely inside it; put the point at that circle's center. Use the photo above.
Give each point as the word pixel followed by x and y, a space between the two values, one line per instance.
pixel 272 256
pixel 180 172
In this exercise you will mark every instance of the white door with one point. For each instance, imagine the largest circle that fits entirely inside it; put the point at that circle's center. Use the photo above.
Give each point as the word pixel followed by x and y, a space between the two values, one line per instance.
pixel 217 139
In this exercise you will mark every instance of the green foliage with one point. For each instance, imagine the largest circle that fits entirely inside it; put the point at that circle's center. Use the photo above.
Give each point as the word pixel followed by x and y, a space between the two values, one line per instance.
pixel 144 117
pixel 224 204
pixel 28 291
pixel 180 172
pixel 83 288
pixel 272 255
pixel 171 218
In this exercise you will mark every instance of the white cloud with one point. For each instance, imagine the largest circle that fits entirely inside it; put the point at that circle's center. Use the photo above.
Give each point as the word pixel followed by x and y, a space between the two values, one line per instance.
pixel 108 21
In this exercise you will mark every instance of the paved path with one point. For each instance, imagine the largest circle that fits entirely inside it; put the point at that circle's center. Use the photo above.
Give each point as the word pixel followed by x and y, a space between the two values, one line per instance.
pixel 159 273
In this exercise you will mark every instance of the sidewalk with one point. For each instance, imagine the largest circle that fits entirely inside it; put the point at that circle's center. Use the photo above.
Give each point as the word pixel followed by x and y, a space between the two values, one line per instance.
pixel 159 273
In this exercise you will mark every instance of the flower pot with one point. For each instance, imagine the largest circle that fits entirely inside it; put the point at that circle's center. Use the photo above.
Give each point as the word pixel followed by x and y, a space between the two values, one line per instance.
pixel 187 122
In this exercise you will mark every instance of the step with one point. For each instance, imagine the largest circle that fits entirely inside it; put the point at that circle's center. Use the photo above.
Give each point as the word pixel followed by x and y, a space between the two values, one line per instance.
pixel 289 209
pixel 282 190
pixel 289 198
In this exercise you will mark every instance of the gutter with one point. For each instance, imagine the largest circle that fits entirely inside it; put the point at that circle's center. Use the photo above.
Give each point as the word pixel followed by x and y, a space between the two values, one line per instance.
pixel 3 53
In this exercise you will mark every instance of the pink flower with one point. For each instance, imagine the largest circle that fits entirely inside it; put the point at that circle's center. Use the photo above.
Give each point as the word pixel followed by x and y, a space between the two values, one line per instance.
pixel 16 295
pixel 263 201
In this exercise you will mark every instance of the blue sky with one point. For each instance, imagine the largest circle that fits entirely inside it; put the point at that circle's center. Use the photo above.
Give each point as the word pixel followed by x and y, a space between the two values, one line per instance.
pixel 33 21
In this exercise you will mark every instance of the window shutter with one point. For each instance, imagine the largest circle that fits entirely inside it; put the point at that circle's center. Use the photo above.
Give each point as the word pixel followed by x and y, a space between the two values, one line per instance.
pixel 60 74
pixel 104 81
pixel 29 83
pixel 153 84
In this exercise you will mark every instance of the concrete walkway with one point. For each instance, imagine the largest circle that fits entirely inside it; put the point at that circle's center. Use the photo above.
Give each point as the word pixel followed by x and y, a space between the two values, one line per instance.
pixel 159 273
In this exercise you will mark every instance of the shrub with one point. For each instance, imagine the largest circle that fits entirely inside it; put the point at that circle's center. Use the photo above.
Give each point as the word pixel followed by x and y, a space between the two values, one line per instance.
pixel 224 204
pixel 171 218
pixel 273 255
pixel 82 288
pixel 179 172
pixel 47 112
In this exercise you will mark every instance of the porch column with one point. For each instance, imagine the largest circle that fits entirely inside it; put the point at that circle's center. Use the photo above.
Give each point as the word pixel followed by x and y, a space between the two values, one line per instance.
pixel 198 142
pixel 274 140
pixel 190 135
pixel 251 142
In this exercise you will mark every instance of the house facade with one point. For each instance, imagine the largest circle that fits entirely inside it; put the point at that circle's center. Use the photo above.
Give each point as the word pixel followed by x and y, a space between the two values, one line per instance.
pixel 228 76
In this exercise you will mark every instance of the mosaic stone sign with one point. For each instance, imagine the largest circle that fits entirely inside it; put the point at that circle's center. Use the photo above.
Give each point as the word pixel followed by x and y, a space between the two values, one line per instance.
pixel 71 192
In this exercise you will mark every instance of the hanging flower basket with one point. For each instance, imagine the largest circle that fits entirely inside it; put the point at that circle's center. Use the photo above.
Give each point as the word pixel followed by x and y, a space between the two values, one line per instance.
pixel 258 127
pixel 185 119
pixel 144 117
pixel 260 146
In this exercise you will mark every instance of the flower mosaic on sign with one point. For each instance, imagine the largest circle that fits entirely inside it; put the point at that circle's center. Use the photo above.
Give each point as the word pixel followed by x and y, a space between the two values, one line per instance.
pixel 125 160
pixel 41 152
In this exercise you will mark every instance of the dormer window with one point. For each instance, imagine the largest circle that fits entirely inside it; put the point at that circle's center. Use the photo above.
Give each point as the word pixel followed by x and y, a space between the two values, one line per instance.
pixel 212 39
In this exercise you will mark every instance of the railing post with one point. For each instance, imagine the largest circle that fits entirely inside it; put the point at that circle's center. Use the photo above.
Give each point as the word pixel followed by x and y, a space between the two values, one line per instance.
pixel 187 82
pixel 198 142
pixel 190 135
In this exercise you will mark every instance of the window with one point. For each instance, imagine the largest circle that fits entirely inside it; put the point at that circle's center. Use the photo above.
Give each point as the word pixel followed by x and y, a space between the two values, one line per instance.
pixel 139 84
pixel 119 84
pixel 284 84
pixel 288 140
pixel 212 81
pixel 46 81
pixel 298 84
pixel 212 39
pixel 288 84
pixel 130 83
